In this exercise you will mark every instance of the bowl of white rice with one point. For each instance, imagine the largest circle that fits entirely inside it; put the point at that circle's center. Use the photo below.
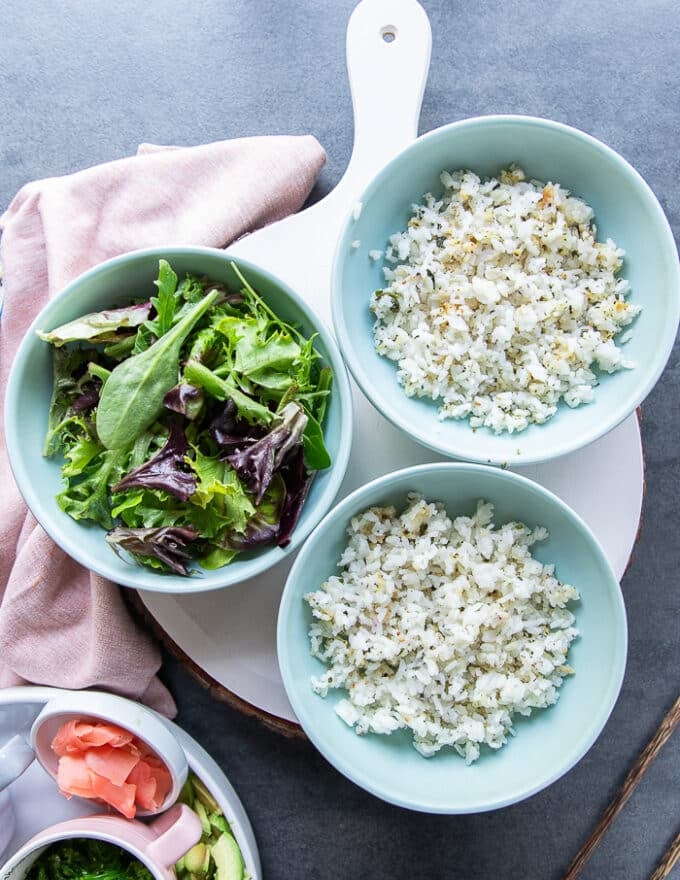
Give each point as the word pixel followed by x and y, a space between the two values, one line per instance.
pixel 506 290
pixel 452 638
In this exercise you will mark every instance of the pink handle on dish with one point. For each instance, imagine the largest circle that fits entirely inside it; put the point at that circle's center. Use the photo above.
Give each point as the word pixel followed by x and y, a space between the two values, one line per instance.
pixel 178 830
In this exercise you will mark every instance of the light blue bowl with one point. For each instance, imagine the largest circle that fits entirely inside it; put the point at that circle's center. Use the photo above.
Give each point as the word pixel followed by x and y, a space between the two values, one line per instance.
pixel 626 210
pixel 30 386
pixel 548 743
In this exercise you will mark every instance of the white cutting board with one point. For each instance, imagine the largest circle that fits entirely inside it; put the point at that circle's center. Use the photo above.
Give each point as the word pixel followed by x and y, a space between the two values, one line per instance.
pixel 231 634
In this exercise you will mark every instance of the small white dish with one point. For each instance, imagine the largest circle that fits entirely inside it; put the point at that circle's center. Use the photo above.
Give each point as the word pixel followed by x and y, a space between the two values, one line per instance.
pixel 142 722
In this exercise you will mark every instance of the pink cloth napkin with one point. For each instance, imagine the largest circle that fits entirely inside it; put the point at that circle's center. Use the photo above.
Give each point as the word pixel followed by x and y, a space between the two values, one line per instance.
pixel 61 625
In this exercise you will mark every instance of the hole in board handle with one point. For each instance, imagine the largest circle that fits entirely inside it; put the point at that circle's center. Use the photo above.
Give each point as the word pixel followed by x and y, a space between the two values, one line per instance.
pixel 388 33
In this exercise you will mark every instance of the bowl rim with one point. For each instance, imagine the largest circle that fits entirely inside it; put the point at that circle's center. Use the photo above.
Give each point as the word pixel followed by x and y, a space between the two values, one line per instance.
pixel 573 440
pixel 389 482
pixel 140 578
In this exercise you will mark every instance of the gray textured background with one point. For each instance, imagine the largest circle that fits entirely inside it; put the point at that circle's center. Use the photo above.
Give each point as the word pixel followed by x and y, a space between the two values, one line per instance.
pixel 81 83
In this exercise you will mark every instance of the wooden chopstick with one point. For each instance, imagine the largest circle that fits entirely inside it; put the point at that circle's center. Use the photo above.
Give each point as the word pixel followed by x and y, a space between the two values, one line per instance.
pixel 667 863
pixel 637 771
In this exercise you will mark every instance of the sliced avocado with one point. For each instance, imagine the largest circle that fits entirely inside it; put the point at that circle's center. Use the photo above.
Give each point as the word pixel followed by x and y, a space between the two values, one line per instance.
pixel 186 795
pixel 203 816
pixel 204 796
pixel 218 822
pixel 196 861
pixel 227 858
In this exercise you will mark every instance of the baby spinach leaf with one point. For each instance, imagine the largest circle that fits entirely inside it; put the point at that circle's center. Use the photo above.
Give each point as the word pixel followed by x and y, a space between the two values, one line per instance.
pixel 323 387
pixel 316 454
pixel 132 398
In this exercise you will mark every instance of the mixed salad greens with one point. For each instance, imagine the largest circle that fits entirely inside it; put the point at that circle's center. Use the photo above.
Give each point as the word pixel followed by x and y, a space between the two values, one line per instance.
pixel 190 424
pixel 84 858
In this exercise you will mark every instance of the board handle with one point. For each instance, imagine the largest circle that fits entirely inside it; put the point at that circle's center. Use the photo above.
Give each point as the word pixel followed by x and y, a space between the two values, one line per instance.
pixel 388 58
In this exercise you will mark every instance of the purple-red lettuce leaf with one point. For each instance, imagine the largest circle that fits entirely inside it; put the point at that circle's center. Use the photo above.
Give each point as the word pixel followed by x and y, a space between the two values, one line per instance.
pixel 167 544
pixel 227 429
pixel 88 399
pixel 256 464
pixel 166 470
pixel 187 400
pixel 297 480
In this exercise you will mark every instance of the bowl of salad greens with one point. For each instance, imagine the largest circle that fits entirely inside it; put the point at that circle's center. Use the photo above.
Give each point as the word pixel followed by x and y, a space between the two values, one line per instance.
pixel 178 420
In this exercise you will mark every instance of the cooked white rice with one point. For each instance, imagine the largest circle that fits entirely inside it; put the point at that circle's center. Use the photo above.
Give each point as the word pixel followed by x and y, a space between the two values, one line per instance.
pixel 445 628
pixel 500 302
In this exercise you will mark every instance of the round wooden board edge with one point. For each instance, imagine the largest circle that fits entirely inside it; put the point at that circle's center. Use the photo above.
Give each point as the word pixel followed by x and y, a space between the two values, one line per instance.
pixel 215 688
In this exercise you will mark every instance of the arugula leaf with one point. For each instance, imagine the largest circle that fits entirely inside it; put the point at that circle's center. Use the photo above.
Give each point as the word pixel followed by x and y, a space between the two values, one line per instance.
pixel 191 289
pixel 97 371
pixel 323 387
pixel 143 339
pixel 165 303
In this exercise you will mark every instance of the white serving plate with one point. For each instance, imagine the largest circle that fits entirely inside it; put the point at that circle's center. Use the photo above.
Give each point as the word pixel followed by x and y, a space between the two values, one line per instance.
pixel 37 802
pixel 231 634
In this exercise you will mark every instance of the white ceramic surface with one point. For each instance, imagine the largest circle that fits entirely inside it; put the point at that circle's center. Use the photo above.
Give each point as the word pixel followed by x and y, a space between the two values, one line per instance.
pixel 16 756
pixel 602 483
pixel 37 803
